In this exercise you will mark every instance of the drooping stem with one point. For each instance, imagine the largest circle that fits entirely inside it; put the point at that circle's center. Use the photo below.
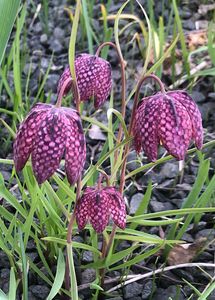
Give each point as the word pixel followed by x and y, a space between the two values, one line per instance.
pixel 101 177
pixel 62 90
pixel 122 65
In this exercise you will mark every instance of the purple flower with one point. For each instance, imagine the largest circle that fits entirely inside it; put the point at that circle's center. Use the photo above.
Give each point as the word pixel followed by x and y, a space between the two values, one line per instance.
pixel 48 133
pixel 172 119
pixel 93 77
pixel 96 205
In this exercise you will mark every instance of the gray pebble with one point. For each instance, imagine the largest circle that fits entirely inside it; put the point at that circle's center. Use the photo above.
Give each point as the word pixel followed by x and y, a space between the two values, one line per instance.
pixel 135 202
pixel 131 290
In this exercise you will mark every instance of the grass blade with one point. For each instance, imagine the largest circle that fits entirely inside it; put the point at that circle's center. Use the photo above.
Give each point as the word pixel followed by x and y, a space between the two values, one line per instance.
pixel 58 281
pixel 8 13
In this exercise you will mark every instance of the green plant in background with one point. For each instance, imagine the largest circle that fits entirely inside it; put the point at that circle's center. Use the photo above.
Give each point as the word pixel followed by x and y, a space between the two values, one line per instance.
pixel 52 202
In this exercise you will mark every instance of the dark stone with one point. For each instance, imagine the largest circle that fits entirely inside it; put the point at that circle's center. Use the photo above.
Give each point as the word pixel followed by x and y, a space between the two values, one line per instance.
pixel 132 161
pixel 88 276
pixel 87 257
pixel 169 170
pixel 27 67
pixel 147 289
pixel 165 294
pixel 56 46
pixel 131 290
pixel 198 96
pixel 4 261
pixel 156 206
pixel 44 39
pixel 59 33
pixel 51 83
pixel 39 291
pixel 207 233
pixel 135 202
pixel 188 24
pixel 183 273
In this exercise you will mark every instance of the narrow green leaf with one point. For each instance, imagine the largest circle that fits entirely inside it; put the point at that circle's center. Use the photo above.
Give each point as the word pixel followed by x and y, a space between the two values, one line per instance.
pixel 73 40
pixel 8 13
pixel 207 292
pixel 74 244
pixel 12 286
pixel 24 267
pixel 59 278
pixel 87 26
pixel 73 281
pixel 174 212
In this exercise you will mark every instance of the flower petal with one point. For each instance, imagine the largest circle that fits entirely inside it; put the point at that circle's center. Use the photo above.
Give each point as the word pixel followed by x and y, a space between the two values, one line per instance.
pixel 194 114
pixel 145 126
pixel 99 211
pixel 82 210
pixel 175 127
pixel 25 136
pixel 117 207
pixel 49 145
pixel 75 148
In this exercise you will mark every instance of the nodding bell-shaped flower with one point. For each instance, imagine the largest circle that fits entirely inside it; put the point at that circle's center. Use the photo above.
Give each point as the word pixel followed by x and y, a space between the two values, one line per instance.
pixel 93 76
pixel 48 133
pixel 97 205
pixel 172 119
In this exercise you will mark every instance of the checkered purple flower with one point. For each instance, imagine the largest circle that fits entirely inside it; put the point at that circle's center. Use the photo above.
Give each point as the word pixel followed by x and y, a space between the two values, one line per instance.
pixel 48 133
pixel 172 119
pixel 97 205
pixel 93 77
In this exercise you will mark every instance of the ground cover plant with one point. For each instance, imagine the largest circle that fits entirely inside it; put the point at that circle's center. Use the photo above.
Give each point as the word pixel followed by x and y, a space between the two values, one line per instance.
pixel 107 162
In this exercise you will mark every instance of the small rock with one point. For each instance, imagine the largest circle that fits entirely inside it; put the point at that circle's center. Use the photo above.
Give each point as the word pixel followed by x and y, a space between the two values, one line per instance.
pixel 56 46
pixel 51 83
pixel 135 202
pixel 116 298
pixel 182 273
pixel 95 133
pixel 198 96
pixel 147 289
pixel 166 294
pixel 87 257
pixel 88 276
pixel 132 161
pixel 131 290
pixel 211 95
pixel 156 206
pixel 4 262
pixel 31 296
pixel 43 39
pixel 59 33
pixel 208 233
pixel 189 24
pixel 38 27
pixel 169 170
pixel 44 63
pixel 39 291
pixel 29 66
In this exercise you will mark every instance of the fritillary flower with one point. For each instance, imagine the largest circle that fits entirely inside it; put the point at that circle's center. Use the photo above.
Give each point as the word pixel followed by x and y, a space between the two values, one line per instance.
pixel 93 76
pixel 171 119
pixel 97 205
pixel 48 133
